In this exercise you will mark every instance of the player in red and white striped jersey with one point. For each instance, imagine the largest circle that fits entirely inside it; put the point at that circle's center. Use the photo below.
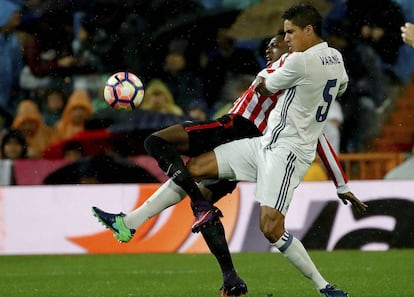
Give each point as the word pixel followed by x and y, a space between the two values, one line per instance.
pixel 254 107
pixel 247 118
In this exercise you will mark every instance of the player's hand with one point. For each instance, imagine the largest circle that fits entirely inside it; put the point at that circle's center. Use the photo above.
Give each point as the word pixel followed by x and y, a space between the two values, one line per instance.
pixel 407 34
pixel 357 204
pixel 261 87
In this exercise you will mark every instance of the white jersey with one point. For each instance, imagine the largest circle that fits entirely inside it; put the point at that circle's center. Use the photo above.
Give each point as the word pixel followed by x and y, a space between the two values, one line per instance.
pixel 311 80
pixel 257 109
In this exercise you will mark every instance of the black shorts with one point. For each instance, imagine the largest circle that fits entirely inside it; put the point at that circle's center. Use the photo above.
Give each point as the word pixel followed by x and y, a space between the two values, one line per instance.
pixel 204 136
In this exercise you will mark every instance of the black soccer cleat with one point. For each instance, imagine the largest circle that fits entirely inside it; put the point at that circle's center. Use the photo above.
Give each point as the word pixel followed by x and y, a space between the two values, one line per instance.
pixel 205 217
pixel 233 287
pixel 332 291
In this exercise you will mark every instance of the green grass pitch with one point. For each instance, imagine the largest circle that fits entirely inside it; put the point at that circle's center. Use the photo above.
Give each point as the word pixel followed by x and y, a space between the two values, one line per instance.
pixel 362 274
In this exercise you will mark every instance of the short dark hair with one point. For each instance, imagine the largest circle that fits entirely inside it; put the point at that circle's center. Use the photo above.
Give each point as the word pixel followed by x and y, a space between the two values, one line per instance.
pixel 17 135
pixel 280 33
pixel 304 14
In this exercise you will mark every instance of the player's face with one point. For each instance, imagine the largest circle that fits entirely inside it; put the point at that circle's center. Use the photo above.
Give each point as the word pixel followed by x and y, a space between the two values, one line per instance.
pixel 276 47
pixel 296 37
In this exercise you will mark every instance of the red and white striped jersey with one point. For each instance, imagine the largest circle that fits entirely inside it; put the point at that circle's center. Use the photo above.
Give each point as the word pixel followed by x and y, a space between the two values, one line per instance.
pixel 332 164
pixel 254 107
pixel 257 108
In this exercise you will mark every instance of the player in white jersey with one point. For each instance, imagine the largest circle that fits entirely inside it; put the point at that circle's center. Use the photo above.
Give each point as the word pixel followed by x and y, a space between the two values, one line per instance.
pixel 311 77
pixel 247 118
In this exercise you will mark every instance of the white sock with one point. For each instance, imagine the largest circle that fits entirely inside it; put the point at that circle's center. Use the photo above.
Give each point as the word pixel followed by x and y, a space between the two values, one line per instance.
pixel 167 194
pixel 296 253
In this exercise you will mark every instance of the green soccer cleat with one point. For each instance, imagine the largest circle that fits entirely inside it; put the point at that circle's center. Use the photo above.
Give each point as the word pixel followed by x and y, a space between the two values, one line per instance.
pixel 115 223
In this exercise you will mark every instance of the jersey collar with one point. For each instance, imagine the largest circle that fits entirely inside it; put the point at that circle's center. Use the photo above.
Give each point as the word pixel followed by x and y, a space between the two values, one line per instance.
pixel 317 47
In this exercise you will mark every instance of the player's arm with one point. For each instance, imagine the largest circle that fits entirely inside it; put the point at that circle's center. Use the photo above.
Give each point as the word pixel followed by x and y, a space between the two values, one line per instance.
pixel 407 33
pixel 336 172
pixel 282 78
pixel 344 84
pixel 251 90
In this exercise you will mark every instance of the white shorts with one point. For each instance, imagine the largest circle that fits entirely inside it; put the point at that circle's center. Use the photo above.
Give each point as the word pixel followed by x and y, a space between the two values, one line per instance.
pixel 277 172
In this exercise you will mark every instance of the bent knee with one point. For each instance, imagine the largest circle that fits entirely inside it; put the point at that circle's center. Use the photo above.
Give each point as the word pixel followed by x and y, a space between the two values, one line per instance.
pixel 195 168
pixel 150 142
pixel 203 166
pixel 272 224
pixel 272 231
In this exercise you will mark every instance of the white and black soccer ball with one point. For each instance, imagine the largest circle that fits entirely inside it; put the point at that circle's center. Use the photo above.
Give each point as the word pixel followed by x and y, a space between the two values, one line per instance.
pixel 124 91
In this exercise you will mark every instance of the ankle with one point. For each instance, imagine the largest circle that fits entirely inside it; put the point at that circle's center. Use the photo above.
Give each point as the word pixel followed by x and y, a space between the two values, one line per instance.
pixel 201 204
pixel 230 274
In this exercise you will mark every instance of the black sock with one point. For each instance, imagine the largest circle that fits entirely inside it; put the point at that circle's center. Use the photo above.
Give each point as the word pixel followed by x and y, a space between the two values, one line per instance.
pixel 215 238
pixel 171 163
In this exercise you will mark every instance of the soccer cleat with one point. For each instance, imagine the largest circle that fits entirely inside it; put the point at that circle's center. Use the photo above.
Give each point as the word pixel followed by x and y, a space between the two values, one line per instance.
pixel 115 223
pixel 233 287
pixel 331 291
pixel 205 217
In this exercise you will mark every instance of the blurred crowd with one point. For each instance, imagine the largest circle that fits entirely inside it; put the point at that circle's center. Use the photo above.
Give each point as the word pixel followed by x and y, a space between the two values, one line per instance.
pixel 55 57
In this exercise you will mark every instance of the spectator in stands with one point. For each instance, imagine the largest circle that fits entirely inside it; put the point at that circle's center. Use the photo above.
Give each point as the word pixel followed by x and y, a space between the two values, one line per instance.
pixel 96 93
pixel 76 112
pixel 11 61
pixel 29 121
pixel 73 150
pixel 13 145
pixel 48 53
pixel 84 48
pixel 158 98
pixel 233 88
pixel 52 106
pixel 224 61
pixel 96 43
pixel 378 23
pixel 198 110
pixel 366 88
pixel 181 79
pixel 407 34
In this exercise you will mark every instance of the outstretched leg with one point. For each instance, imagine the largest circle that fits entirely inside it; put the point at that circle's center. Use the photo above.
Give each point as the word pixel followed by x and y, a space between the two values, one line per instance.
pixel 166 147
pixel 123 226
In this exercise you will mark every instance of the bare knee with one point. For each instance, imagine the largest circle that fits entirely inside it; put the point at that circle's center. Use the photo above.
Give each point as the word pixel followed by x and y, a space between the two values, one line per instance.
pixel 203 166
pixel 272 223
pixel 195 168
pixel 175 135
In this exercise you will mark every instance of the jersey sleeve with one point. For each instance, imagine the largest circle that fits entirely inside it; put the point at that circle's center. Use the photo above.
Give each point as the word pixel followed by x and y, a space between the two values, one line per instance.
pixel 344 83
pixel 291 74
pixel 332 164
pixel 264 72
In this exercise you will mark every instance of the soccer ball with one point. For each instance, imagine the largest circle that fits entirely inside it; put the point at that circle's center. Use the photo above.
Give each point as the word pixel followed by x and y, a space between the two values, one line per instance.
pixel 124 91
